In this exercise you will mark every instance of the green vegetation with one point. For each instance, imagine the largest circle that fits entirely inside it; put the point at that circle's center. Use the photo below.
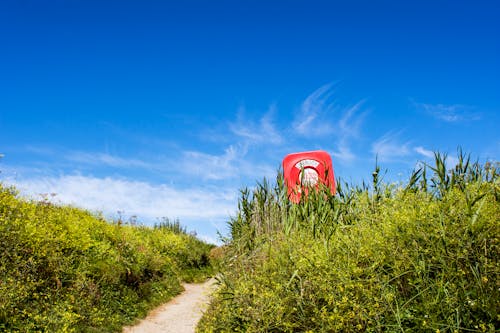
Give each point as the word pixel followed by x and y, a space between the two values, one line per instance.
pixel 63 269
pixel 415 257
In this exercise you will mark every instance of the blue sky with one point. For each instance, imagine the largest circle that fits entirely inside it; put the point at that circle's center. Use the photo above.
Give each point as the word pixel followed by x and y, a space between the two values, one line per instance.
pixel 163 108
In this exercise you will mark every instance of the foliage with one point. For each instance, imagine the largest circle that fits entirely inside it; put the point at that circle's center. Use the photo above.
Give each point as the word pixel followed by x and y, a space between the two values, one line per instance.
pixel 63 269
pixel 418 257
pixel 174 226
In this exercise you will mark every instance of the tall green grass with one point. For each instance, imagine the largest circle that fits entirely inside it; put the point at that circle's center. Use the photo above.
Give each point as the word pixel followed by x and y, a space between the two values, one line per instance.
pixel 63 269
pixel 415 257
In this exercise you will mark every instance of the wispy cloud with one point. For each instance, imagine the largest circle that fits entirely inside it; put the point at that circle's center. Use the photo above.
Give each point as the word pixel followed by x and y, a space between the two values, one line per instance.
pixel 320 116
pixel 214 167
pixel 351 120
pixel 311 120
pixel 145 200
pixel 348 128
pixel 256 133
pixel 451 160
pixel 59 155
pixel 343 153
pixel 106 160
pixel 234 163
pixel 39 150
pixel 390 147
pixel 449 113
pixel 424 152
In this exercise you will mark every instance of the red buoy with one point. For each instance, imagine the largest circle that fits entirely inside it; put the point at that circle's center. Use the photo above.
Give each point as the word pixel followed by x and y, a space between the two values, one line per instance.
pixel 305 170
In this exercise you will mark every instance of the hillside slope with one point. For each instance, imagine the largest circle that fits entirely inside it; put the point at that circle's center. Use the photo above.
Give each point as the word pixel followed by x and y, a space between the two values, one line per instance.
pixel 415 257
pixel 64 269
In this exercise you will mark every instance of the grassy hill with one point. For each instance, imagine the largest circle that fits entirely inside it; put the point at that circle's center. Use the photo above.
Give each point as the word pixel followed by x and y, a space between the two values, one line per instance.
pixel 415 257
pixel 64 269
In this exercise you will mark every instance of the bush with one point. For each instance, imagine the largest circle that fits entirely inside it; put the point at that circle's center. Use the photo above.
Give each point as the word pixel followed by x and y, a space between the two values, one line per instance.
pixel 63 269
pixel 422 256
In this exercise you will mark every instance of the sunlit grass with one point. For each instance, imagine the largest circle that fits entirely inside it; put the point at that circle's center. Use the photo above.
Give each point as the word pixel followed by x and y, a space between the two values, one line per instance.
pixel 415 257
pixel 63 269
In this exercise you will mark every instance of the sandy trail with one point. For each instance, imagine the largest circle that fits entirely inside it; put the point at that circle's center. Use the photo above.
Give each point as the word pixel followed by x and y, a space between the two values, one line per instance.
pixel 179 315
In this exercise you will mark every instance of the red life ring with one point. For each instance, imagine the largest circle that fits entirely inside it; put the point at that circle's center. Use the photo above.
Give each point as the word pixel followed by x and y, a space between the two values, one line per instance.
pixel 305 170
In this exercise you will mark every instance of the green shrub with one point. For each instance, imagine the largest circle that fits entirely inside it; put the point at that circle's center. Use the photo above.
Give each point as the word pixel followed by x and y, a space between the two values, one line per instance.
pixel 63 269
pixel 420 257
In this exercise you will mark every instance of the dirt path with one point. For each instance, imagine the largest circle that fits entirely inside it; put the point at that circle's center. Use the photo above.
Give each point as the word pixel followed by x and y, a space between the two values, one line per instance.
pixel 180 315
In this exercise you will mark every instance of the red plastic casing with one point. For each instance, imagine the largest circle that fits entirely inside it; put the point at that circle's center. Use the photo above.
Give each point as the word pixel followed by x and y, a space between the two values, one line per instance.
pixel 317 168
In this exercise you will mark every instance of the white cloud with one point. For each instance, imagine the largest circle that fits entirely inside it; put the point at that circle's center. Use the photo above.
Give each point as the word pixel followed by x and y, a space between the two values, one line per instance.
pixel 348 128
pixel 343 153
pixel 233 164
pixel 390 147
pixel 106 159
pixel 40 150
pixel 424 152
pixel 320 116
pixel 451 161
pixel 145 200
pixel 351 121
pixel 311 118
pixel 449 113
pixel 215 167
pixel 263 132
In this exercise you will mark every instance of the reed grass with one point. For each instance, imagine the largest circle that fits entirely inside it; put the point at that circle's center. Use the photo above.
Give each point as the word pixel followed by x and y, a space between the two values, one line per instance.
pixel 418 257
